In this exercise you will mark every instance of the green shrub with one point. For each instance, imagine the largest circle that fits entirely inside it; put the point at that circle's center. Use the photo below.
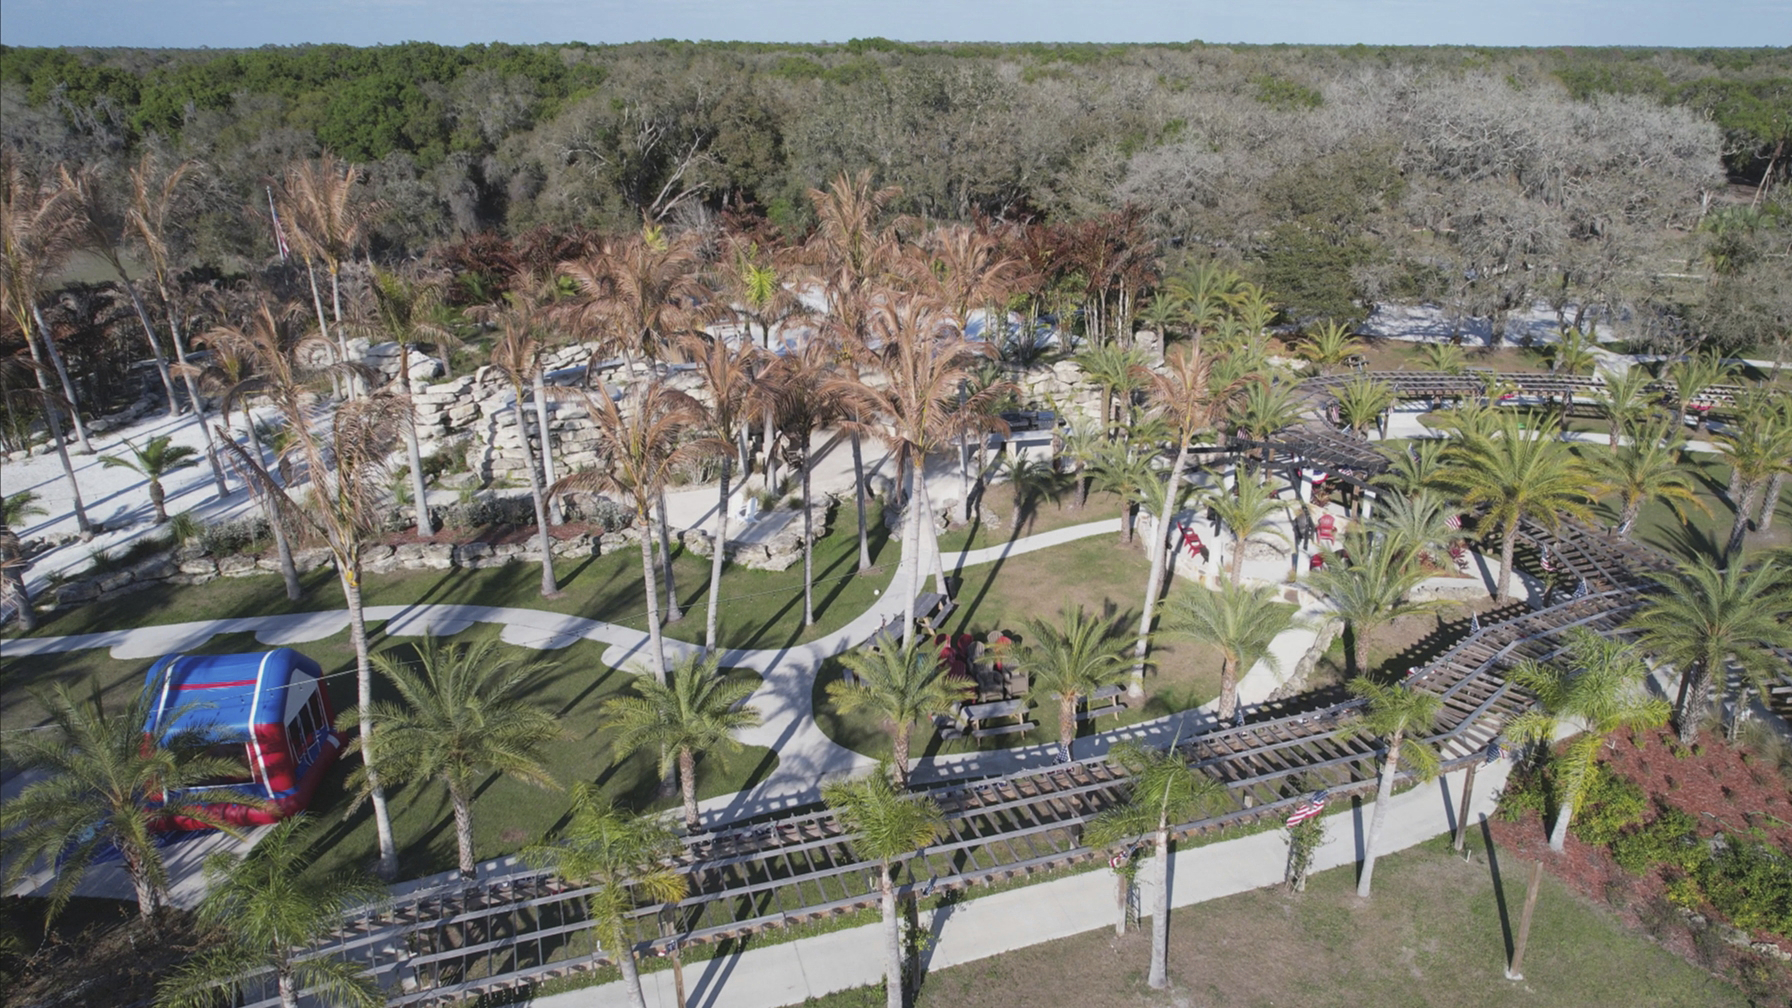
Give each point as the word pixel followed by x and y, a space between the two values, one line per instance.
pixel 1672 839
pixel 1526 790
pixel 245 535
pixel 1751 885
pixel 1609 806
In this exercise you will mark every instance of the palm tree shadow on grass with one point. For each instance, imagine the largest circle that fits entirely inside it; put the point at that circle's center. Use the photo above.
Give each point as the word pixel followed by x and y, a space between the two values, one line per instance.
pixel 1689 541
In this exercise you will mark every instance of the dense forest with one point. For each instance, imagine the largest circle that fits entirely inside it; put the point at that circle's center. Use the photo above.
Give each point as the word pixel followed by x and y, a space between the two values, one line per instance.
pixel 1640 182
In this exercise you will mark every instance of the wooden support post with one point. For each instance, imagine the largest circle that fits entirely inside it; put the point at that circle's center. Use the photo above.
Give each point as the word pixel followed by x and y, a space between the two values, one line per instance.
pixel 1468 792
pixel 674 951
pixel 1516 970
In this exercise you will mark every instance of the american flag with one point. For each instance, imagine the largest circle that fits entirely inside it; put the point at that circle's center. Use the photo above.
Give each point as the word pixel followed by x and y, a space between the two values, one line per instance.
pixel 1496 750
pixel 1548 564
pixel 279 232
pixel 1308 809
pixel 1454 521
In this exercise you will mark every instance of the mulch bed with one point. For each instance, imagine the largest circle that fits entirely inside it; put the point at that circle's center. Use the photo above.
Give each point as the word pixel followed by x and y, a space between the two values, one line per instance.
pixel 1728 790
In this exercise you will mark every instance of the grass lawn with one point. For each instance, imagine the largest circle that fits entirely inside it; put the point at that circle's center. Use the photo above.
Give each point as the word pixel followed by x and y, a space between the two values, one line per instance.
pixel 992 523
pixel 1097 574
pixel 760 609
pixel 1434 933
pixel 507 815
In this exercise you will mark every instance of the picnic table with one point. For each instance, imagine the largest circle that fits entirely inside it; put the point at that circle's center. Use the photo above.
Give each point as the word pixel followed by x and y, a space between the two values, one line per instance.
pixel 978 716
pixel 1105 700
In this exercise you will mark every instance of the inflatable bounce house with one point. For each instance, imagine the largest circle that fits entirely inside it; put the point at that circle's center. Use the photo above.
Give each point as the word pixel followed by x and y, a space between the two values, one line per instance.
pixel 269 711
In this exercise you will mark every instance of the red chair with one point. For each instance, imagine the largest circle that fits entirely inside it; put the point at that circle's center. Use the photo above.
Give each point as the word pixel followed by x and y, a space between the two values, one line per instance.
pixel 1317 563
pixel 1328 529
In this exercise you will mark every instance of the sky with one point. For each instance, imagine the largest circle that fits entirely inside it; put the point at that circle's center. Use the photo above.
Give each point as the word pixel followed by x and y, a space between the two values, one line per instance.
pixel 247 23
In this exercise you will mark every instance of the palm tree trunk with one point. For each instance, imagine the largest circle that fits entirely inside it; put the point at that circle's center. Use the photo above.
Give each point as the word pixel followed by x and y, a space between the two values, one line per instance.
pixel 858 495
pixel 933 536
pixel 1772 501
pixel 1351 640
pixel 323 326
pixel 911 546
pixel 413 452
pixel 1558 834
pixel 180 354
pixel 770 466
pixel 158 501
pixel 463 830
pixel 289 571
pixel 288 987
pixel 13 586
pixel 1508 540
pixel 1751 491
pixel 717 548
pixel 155 347
pixel 53 420
pixel 547 441
pixel 543 542
pixel 149 898
pixel 687 780
pixel 673 612
pixel 1160 914
pixel 656 650
pixel 808 539
pixel 1228 687
pixel 1384 794
pixel 349 569
pixel 899 750
pixel 68 387
pixel 1067 720
pixel 1237 560
pixel 334 268
pixel 893 986
pixel 1154 582
pixel 624 954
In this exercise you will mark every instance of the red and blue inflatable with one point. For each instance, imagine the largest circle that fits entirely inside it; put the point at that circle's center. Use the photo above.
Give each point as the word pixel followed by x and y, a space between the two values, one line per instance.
pixel 269 710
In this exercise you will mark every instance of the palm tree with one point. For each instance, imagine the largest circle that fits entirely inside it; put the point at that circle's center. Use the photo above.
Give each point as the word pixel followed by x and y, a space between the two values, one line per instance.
pixel 1599 683
pixel 695 711
pixel 517 356
pixel 1327 345
pixel 1518 477
pixel 1072 657
pixel 465 716
pixel 406 309
pixel 641 443
pixel 1572 353
pixel 623 858
pixel 887 826
pixel 1188 403
pixel 1646 470
pixel 1265 408
pixel 1758 448
pixel 1399 717
pixel 156 459
pixel 1245 514
pixel 15 597
pixel 1240 622
pixel 1165 790
pixel 101 786
pixel 38 229
pixel 728 372
pixel 1412 527
pixel 1626 401
pixel 923 362
pixel 17 507
pixel 1119 371
pixel 1032 480
pixel 1369 592
pixel 1706 620
pixel 1692 375
pixel 1124 470
pixel 262 909
pixel 802 391
pixel 903 685
pixel 1080 445
pixel 1414 466
pixel 1445 358
pixel 329 223
pixel 1361 403
pixel 347 470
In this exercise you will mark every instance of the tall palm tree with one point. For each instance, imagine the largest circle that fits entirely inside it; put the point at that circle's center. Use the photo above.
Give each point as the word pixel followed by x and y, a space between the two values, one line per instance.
pixel 347 470
pixel 100 230
pixel 729 374
pixel 1646 470
pixel 1124 470
pixel 1412 526
pixel 1758 448
pixel 261 910
pixel 1165 791
pixel 1706 620
pixel 1327 345
pixel 406 310
pixel 101 786
pixel 803 392
pixel 1080 444
pixel 1400 717
pixel 1247 513
pixel 1413 466
pixel 38 230
pixel 1626 401
pixel 1597 682
pixel 1240 622
pixel 641 443
pixel 49 404
pixel 465 715
pixel 1692 375
pixel 1072 656
pixel 1265 408
pixel 1189 403
pixel 331 222
pixel 1445 358
pixel 696 711
pixel 158 458
pixel 1361 403
pixel 922 362
pixel 642 294
pixel 904 685
pixel 1119 371
pixel 1369 592
pixel 517 356
pixel 1518 476
pixel 750 278
pixel 887 826
pixel 625 858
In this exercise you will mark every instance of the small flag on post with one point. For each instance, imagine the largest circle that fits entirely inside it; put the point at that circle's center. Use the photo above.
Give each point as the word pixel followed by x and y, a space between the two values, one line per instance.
pixel 1454 521
pixel 1548 564
pixel 1474 622
pixel 1308 809
pixel 279 232
pixel 1496 750
pixel 1580 588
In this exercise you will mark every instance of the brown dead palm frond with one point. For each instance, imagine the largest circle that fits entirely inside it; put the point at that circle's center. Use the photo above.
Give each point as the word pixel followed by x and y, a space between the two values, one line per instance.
pixel 641 294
